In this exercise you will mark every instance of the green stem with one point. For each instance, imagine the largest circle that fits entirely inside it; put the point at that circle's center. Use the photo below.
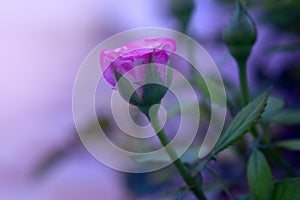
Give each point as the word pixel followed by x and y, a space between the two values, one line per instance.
pixel 189 180
pixel 254 132
pixel 216 176
pixel 243 81
pixel 242 66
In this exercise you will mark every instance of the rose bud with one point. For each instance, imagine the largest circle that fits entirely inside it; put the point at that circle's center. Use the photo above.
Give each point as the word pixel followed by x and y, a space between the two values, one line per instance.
pixel 182 11
pixel 240 33
pixel 139 70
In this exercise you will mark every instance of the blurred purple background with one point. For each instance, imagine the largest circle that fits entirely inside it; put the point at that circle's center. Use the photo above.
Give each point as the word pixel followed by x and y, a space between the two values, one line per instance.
pixel 43 44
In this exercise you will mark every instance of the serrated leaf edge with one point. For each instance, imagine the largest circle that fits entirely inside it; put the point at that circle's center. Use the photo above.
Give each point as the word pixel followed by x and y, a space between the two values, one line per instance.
pixel 215 152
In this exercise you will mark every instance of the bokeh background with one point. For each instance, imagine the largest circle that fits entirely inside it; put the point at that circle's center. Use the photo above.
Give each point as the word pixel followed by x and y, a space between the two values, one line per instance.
pixel 42 45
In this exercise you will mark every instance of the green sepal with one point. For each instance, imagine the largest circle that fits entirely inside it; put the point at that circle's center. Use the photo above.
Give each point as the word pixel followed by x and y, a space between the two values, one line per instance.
pixel 126 89
pixel 154 89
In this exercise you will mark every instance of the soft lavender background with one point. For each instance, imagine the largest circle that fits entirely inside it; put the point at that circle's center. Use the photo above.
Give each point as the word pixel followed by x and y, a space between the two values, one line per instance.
pixel 42 46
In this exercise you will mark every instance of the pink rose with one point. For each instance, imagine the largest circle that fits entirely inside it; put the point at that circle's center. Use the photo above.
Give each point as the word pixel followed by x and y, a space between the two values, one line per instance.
pixel 134 54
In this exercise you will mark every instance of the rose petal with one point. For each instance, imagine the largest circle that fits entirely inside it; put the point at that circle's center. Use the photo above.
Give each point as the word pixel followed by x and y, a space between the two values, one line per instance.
pixel 134 54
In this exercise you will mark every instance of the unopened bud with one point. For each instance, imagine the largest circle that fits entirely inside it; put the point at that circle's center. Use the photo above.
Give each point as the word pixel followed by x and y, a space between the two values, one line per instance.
pixel 240 33
pixel 182 10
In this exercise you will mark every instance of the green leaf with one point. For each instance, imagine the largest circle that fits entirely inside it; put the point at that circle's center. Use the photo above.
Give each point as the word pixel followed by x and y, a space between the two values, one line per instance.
pixel 259 176
pixel 275 105
pixel 241 124
pixel 126 89
pixel 288 189
pixel 288 117
pixel 293 145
